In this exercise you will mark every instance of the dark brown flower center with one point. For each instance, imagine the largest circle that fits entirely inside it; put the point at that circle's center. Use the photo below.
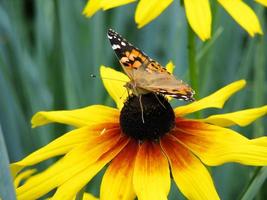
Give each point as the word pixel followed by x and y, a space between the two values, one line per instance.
pixel 147 117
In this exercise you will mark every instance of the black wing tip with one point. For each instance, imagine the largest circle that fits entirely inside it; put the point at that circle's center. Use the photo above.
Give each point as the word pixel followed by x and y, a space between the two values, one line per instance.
pixel 111 32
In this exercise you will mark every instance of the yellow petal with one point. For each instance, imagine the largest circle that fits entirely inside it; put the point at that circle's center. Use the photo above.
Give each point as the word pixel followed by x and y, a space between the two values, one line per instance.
pixel 61 145
pixel 85 157
pixel 148 10
pixel 216 145
pixel 114 82
pixel 71 187
pixel 241 118
pixel 189 173
pixel 92 7
pixel 87 196
pixel 199 17
pixel 121 170
pixel 108 4
pixel 78 117
pixel 243 15
pixel 262 2
pixel 215 100
pixel 151 177
pixel 170 67
pixel 22 176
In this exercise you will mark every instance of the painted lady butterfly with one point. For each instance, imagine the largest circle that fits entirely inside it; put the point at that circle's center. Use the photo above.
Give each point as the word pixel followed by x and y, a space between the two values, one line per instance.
pixel 147 75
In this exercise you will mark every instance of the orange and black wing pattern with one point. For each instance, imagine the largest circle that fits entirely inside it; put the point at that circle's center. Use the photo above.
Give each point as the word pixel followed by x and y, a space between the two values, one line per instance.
pixel 146 73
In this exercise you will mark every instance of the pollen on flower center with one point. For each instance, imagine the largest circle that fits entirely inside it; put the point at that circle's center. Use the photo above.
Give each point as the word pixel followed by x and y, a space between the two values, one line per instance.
pixel 158 117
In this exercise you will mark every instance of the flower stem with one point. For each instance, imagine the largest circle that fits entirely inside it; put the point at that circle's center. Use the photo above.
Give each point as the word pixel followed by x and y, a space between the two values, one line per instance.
pixel 193 70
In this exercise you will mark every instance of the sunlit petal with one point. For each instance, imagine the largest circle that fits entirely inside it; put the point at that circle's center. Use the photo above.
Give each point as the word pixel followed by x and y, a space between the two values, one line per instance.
pixel 241 118
pixel 22 176
pixel 85 157
pixel 87 196
pixel 199 17
pixel 78 117
pixel 92 7
pixel 121 170
pixel 108 4
pixel 216 145
pixel 188 172
pixel 114 82
pixel 262 2
pixel 243 15
pixel 63 145
pixel 71 187
pixel 148 10
pixel 151 177
pixel 215 100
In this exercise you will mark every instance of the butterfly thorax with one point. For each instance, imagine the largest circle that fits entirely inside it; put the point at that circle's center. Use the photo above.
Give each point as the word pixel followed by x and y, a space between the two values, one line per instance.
pixel 135 89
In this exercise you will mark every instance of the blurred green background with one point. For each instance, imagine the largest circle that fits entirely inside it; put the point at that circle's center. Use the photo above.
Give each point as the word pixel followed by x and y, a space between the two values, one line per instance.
pixel 48 50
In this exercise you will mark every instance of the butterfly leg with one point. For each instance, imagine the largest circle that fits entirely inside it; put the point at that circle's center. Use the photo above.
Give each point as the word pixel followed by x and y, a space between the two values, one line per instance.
pixel 159 100
pixel 142 109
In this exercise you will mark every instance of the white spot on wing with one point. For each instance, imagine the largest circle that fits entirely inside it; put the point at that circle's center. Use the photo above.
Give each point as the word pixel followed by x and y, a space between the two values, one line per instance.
pixel 123 43
pixel 110 37
pixel 116 46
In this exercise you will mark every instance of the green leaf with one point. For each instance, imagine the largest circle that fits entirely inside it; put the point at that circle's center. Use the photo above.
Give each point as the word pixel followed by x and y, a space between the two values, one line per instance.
pixel 6 184
pixel 255 184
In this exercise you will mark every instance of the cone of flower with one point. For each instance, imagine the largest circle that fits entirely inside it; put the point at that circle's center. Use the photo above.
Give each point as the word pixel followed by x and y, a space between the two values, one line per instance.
pixel 198 13
pixel 141 157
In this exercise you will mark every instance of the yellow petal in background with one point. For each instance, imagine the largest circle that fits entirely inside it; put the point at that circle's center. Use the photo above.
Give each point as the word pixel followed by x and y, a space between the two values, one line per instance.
pixel 215 100
pixel 148 10
pixel 108 4
pixel 262 2
pixel 170 67
pixel 78 117
pixel 114 82
pixel 92 7
pixel 241 118
pixel 243 15
pixel 199 17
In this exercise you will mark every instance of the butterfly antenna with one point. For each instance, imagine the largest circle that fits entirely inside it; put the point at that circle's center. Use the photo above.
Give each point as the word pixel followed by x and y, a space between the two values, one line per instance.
pixel 142 110
pixel 159 101
pixel 107 78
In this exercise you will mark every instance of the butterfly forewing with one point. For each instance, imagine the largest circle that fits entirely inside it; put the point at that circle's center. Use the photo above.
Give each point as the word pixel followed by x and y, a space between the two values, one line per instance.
pixel 129 56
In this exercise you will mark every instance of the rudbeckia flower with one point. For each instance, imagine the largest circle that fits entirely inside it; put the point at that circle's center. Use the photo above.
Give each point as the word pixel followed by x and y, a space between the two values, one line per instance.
pixel 141 157
pixel 198 13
